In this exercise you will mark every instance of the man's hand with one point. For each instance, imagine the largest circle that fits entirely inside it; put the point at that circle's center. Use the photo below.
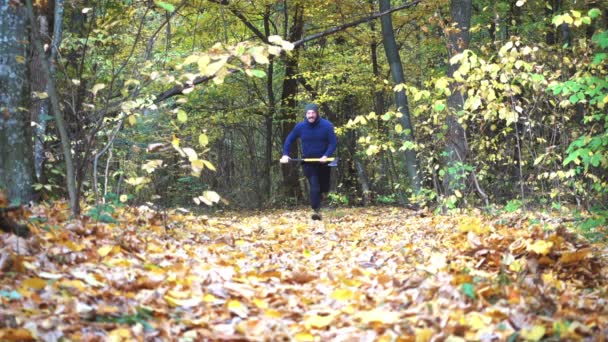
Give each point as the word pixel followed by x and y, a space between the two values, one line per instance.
pixel 284 160
pixel 323 159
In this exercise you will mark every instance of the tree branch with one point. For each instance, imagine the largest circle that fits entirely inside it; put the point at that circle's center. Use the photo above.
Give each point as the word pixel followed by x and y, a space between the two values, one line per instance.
pixel 176 90
pixel 354 23
pixel 247 23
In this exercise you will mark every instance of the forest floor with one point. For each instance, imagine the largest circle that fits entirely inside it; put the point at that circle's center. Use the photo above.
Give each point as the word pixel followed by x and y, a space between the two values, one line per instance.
pixel 365 274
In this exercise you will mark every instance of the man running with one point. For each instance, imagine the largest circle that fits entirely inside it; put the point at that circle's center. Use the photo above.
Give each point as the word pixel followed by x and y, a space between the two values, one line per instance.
pixel 318 141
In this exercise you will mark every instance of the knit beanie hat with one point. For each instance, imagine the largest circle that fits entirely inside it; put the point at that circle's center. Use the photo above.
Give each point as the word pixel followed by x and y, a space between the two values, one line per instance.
pixel 311 106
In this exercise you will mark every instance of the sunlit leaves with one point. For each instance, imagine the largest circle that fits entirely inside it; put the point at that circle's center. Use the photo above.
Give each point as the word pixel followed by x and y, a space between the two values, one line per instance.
pixel 377 275
pixel 151 165
pixel 208 198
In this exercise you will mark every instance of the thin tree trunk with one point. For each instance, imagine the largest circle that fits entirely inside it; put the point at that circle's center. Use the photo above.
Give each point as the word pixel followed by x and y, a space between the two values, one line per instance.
pixel 289 104
pixel 392 55
pixel 15 152
pixel 456 144
pixel 39 107
pixel 269 118
pixel 59 120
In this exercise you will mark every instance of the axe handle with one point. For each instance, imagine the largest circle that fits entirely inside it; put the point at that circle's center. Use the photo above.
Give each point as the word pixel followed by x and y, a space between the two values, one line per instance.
pixel 310 160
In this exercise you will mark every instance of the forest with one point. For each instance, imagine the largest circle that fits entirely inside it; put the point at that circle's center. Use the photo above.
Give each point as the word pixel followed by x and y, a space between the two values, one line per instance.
pixel 142 197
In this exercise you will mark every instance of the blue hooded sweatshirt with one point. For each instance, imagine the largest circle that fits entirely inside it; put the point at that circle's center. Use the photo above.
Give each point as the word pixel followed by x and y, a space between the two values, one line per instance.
pixel 318 138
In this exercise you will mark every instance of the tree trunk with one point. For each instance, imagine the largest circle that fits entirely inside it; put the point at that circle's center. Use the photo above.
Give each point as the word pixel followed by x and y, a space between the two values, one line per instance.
pixel 288 105
pixel 457 149
pixel 269 118
pixel 15 149
pixel 39 107
pixel 59 120
pixel 393 58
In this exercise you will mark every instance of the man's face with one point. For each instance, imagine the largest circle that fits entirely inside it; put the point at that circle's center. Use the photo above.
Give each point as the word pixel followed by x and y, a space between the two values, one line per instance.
pixel 311 116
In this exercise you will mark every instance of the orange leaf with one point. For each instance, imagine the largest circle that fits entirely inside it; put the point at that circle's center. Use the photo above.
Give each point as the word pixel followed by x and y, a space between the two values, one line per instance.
pixel 570 258
pixel 10 334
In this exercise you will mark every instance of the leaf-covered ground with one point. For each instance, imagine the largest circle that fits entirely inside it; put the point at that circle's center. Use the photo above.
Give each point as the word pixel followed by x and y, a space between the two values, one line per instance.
pixel 361 274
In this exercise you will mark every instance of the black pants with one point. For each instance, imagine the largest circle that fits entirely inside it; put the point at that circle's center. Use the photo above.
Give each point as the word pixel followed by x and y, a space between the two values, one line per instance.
pixel 318 181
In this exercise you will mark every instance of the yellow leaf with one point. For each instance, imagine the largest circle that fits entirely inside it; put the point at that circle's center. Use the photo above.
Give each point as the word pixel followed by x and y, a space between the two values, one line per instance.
pixel 185 303
pixel 478 321
pixel 209 298
pixel 182 116
pixel 105 250
pixel 342 294
pixel 540 247
pixel 34 283
pixel 203 140
pixel 424 335
pixel 191 153
pixel 533 334
pixel 97 88
pixel 260 303
pixel 211 196
pixel 119 334
pixel 238 308
pixel 317 321
pixel 304 337
pixel 516 266
pixel 132 120
pixel 378 316
pixel 20 59
pixel 272 313
pixel 208 165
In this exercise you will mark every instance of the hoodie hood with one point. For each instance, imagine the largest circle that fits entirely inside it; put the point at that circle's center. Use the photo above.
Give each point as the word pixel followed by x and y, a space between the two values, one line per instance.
pixel 312 106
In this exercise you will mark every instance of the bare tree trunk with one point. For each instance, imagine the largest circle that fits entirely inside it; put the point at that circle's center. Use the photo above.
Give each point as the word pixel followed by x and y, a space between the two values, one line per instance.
pixel 15 149
pixel 392 55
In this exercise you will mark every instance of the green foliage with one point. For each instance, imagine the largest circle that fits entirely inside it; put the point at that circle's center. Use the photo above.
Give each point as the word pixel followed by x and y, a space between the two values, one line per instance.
pixel 595 228
pixel 337 199
pixel 103 212
pixel 513 205
pixel 469 290
pixel 387 199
